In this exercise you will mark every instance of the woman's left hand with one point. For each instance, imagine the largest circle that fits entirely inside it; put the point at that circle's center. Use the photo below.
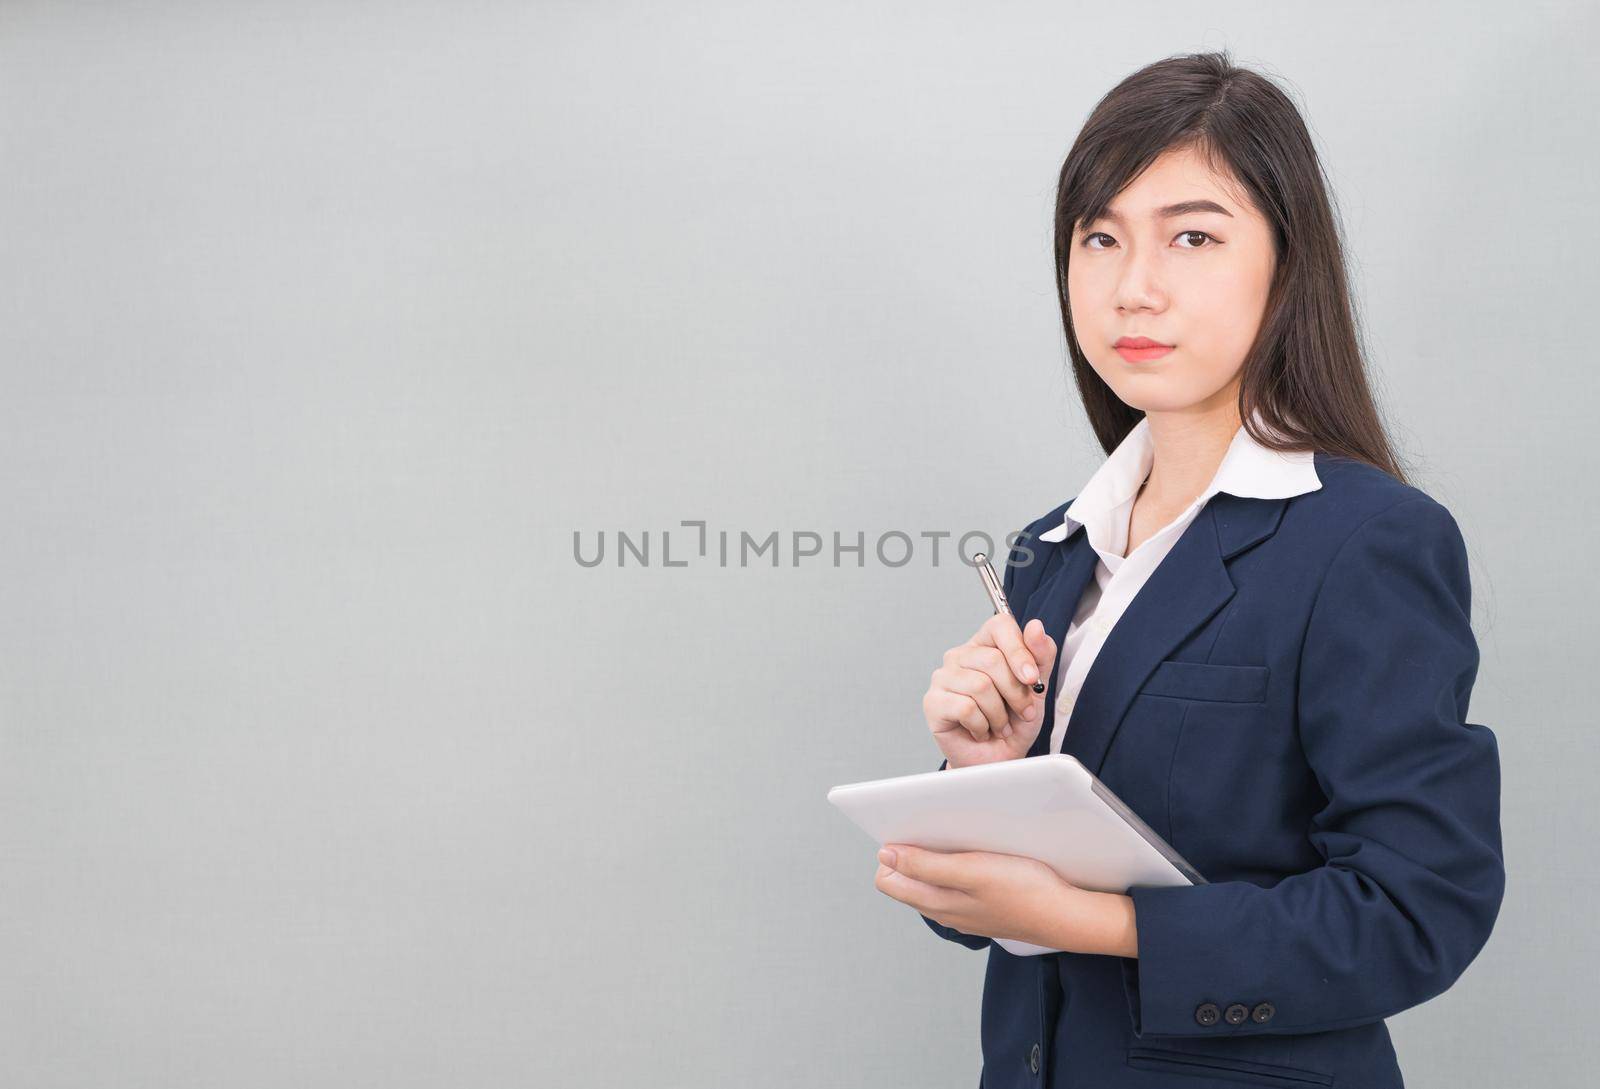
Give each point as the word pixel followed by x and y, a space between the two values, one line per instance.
pixel 1006 896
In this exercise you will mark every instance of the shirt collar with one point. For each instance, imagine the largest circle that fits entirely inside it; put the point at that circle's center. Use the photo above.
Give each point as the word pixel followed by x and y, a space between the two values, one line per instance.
pixel 1248 470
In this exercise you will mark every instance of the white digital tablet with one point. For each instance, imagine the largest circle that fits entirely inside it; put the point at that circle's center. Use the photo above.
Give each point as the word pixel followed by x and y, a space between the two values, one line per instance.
pixel 1049 808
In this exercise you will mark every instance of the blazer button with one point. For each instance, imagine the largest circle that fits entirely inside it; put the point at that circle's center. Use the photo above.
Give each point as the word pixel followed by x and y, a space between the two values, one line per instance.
pixel 1033 1059
pixel 1206 1013
pixel 1262 1013
pixel 1236 1014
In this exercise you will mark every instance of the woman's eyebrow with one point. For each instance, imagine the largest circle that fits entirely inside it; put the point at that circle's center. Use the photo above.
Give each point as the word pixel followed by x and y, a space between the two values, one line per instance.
pixel 1182 208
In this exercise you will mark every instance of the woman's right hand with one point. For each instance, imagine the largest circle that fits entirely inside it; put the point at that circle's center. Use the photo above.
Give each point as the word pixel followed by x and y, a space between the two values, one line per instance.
pixel 981 706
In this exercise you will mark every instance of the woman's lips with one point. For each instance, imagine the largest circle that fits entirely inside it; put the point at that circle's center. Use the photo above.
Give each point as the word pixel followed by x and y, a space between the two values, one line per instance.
pixel 1143 355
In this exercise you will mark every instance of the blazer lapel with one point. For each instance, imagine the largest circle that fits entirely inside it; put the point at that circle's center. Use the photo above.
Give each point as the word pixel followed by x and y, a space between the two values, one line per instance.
pixel 1186 589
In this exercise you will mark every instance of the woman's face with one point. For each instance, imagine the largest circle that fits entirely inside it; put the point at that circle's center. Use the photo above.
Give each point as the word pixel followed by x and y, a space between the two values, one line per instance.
pixel 1195 279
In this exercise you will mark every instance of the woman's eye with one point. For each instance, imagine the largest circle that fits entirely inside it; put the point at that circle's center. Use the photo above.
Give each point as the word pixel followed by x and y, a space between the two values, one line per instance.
pixel 1088 239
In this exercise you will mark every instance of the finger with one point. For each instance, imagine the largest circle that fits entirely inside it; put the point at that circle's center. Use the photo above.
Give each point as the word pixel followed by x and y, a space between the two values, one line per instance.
pixel 959 710
pixel 928 899
pixel 943 869
pixel 1001 631
pixel 992 661
pixel 1042 647
pixel 979 687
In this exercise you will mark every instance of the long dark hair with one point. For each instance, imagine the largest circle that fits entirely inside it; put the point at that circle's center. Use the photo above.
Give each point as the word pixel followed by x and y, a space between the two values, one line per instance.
pixel 1305 374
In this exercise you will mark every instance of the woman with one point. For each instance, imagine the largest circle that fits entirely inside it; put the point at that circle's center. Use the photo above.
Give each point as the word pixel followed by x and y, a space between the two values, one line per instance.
pixel 1264 643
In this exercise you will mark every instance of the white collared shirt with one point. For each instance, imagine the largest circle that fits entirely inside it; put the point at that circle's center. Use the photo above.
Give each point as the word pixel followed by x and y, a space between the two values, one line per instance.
pixel 1103 508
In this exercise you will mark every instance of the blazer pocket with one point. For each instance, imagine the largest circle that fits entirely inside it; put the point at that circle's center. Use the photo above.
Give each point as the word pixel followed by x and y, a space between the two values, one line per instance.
pixel 1208 681
pixel 1195 1065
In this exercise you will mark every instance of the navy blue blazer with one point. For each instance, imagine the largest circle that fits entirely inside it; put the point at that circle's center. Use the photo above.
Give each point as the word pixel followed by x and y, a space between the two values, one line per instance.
pixel 1285 702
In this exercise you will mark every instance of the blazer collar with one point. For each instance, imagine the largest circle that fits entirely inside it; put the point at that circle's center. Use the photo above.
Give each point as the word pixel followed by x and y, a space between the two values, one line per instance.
pixel 1190 586
pixel 1248 470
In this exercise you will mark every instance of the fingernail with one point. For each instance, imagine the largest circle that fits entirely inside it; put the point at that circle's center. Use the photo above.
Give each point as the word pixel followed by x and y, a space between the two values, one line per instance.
pixel 1030 672
pixel 887 857
pixel 1006 732
pixel 1029 711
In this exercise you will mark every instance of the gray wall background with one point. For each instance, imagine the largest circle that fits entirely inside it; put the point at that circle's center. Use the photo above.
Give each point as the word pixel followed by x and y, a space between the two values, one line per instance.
pixel 323 326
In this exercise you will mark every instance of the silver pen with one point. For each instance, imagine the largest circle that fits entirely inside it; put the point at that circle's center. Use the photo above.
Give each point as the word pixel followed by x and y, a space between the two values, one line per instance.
pixel 997 595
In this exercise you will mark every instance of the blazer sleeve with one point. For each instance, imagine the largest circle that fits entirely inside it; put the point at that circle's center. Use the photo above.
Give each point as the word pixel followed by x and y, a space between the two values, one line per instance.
pixel 1008 581
pixel 1413 874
